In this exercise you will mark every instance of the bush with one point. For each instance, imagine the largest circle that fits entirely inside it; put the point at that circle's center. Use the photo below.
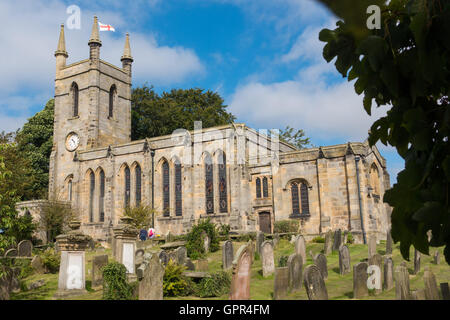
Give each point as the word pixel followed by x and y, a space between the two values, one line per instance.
pixel 224 229
pixel 217 285
pixel 194 239
pixel 282 261
pixel 285 226
pixel 142 216
pixel 350 238
pixel 115 285
pixel 257 256
pixel 51 260
pixel 318 240
pixel 25 268
pixel 174 283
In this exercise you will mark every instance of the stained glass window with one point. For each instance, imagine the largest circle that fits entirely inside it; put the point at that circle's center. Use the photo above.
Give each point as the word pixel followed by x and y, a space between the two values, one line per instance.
pixel 265 188
pixel 166 189
pixel 209 186
pixel 101 204
pixel 138 174
pixel 127 186
pixel 295 199
pixel 223 202
pixel 304 197
pixel 258 188
pixel 91 197
pixel 178 190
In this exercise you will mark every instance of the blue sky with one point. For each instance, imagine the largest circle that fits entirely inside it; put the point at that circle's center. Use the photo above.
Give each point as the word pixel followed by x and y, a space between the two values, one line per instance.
pixel 262 56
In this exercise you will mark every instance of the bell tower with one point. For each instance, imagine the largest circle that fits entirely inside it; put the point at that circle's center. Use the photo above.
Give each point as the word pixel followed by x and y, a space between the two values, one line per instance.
pixel 92 106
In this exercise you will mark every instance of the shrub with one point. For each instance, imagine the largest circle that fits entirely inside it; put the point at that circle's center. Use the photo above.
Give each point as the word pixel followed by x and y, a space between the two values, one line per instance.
pixel 217 285
pixel 25 268
pixel 115 285
pixel 194 239
pixel 282 261
pixel 318 239
pixel 174 283
pixel 257 256
pixel 51 260
pixel 224 229
pixel 350 238
pixel 285 226
pixel 142 216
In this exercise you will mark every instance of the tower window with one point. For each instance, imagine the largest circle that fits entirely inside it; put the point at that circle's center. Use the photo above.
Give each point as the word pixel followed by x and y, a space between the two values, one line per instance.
pixel 112 92
pixel 75 99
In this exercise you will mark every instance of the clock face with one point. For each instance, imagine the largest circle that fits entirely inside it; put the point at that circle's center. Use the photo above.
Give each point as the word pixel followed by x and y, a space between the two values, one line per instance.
pixel 72 141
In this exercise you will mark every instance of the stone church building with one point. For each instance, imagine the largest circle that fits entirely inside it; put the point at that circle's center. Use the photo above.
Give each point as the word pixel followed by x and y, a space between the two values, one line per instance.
pixel 233 174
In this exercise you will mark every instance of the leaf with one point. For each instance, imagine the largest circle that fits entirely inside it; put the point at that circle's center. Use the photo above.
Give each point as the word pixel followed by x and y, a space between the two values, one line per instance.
pixel 375 48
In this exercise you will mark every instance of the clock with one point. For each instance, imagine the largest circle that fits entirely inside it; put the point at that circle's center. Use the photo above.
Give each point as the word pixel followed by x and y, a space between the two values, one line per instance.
pixel 72 141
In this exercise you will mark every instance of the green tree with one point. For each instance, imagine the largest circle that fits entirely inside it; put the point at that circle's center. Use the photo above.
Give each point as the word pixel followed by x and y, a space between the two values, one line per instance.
pixel 35 141
pixel 155 115
pixel 55 217
pixel 297 139
pixel 404 65
pixel 142 216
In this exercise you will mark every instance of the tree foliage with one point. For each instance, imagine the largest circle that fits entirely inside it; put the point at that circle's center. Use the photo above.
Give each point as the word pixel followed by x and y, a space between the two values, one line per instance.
pixel 404 65
pixel 142 216
pixel 55 217
pixel 297 139
pixel 156 115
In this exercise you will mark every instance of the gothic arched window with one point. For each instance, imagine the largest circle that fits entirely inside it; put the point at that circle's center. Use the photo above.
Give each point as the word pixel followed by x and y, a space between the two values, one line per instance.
pixel 258 188
pixel 166 189
pixel 223 201
pixel 112 92
pixel 75 99
pixel 101 204
pixel 209 185
pixel 127 187
pixel 138 174
pixel 265 188
pixel 295 199
pixel 91 196
pixel 304 198
pixel 178 190
pixel 69 190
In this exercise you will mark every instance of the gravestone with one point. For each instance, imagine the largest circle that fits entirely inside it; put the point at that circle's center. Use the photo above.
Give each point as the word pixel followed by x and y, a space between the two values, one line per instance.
pixel 126 234
pixel 314 283
pixel 37 264
pixel 360 280
pixel 388 274
pixel 337 240
pixel 300 247
pixel 11 253
pixel 139 257
pixel 436 257
pixel 418 294
pixel 259 241
pixel 372 245
pixel 388 242
pixel 401 277
pixel 169 237
pixel 280 283
pixel 25 248
pixel 91 244
pixel 321 262
pixel 180 255
pixel 98 262
pixel 328 245
pixel 227 255
pixel 344 260
pixel 206 241
pixel 240 282
pixel 295 266
pixel 276 240
pixel 417 257
pixel 201 265
pixel 267 259
pixel 377 260
pixel 189 265
pixel 164 257
pixel 445 291
pixel 151 285
pixel 431 288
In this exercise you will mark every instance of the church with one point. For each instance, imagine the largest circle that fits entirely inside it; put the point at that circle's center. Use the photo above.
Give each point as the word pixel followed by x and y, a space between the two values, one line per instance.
pixel 233 174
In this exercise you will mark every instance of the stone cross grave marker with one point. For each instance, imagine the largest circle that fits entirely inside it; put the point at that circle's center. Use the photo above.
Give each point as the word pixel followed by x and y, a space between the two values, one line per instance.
pixel 344 260
pixel 267 258
pixel 314 283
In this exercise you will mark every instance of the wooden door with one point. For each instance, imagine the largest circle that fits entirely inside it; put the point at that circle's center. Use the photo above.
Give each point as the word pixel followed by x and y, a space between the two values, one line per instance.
pixel 264 222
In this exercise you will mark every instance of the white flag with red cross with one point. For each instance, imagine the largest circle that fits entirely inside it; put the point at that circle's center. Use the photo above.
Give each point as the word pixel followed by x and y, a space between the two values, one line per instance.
pixel 105 27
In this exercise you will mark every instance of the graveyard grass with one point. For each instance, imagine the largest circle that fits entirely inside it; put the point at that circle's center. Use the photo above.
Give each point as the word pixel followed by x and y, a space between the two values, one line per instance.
pixel 338 287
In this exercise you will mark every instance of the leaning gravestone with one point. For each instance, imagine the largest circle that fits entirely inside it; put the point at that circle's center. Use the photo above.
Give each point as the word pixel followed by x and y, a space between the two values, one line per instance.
pixel 259 241
pixel 372 246
pixel 240 283
pixel 227 255
pixel 321 262
pixel 295 266
pixel 445 291
pixel 431 288
pixel 11 253
pixel 388 242
pixel 337 240
pixel 328 243
pixel 25 248
pixel 416 261
pixel 360 280
pixel 436 257
pixel 344 260
pixel 151 285
pixel 402 291
pixel 314 283
pixel 388 274
pixel 98 262
pixel 300 247
pixel 267 259
pixel 164 257
pixel 280 283
pixel 377 260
